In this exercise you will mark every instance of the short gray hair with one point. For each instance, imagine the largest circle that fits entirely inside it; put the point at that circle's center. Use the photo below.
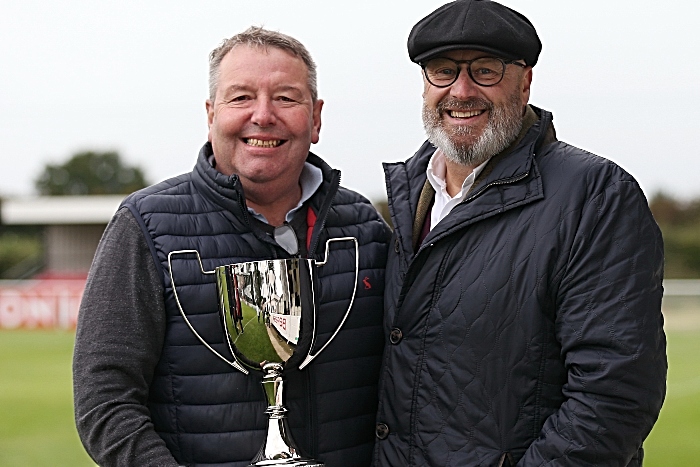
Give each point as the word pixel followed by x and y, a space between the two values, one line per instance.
pixel 262 38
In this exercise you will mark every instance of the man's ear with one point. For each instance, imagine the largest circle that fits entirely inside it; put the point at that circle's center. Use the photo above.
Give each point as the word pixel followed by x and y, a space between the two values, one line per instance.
pixel 318 106
pixel 525 86
pixel 210 116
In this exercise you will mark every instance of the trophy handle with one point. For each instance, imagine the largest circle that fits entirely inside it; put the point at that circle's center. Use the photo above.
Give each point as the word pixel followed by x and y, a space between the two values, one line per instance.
pixel 234 363
pixel 310 356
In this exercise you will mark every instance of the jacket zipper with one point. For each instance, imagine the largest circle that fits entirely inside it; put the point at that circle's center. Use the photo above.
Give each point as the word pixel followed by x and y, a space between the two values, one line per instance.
pixel 471 198
pixel 323 213
pixel 246 219
pixel 316 235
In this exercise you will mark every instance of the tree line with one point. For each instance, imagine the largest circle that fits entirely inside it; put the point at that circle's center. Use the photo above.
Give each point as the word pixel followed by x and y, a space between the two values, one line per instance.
pixel 680 224
pixel 102 173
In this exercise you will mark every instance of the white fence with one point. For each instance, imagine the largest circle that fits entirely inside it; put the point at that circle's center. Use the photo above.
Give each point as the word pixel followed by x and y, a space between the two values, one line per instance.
pixel 681 294
pixel 682 287
pixel 681 305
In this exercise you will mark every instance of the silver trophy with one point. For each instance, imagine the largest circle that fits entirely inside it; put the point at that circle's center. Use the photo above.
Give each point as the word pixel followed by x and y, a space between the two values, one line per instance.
pixel 268 311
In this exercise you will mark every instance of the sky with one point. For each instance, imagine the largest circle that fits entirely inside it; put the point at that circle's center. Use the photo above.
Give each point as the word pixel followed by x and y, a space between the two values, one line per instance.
pixel 620 76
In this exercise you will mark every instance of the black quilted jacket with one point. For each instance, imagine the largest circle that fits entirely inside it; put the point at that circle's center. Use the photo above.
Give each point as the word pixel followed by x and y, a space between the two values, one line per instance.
pixel 207 412
pixel 527 327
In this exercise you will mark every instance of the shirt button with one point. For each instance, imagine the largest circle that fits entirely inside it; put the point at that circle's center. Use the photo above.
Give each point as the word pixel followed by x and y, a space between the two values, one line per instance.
pixel 395 336
pixel 397 247
pixel 382 430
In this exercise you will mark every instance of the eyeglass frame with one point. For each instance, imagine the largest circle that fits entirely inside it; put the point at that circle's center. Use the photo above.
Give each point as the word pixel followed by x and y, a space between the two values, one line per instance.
pixel 469 69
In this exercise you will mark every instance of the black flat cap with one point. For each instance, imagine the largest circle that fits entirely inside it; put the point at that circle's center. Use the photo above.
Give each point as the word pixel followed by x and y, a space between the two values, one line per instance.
pixel 477 25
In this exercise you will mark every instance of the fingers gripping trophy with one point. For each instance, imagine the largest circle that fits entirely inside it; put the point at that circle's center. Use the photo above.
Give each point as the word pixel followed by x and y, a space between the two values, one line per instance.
pixel 268 312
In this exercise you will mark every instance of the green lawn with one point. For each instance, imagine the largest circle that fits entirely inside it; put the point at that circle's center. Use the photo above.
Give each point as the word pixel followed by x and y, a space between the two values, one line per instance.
pixel 36 406
pixel 675 439
pixel 36 415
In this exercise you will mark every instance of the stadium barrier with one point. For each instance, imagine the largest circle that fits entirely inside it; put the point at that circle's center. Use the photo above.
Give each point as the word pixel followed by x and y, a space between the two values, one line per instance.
pixel 54 303
pixel 47 303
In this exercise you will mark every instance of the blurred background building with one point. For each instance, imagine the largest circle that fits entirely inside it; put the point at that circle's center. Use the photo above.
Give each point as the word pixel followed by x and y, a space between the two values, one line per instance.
pixel 60 234
pixel 70 226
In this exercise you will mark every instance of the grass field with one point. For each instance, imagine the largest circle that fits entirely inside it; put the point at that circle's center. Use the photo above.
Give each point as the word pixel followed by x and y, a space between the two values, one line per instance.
pixel 36 415
pixel 675 439
pixel 36 406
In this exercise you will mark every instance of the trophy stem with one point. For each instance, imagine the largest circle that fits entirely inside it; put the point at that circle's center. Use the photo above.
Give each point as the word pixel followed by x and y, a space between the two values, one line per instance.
pixel 279 448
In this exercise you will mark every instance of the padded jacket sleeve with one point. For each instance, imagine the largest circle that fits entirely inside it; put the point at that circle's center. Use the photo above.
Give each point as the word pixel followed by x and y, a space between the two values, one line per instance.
pixel 121 327
pixel 610 329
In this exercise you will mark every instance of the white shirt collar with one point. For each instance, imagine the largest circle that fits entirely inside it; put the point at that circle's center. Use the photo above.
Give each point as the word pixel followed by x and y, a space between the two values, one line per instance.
pixel 310 180
pixel 444 203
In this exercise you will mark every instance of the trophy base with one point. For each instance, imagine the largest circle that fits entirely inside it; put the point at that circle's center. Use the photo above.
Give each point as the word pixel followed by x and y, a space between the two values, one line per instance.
pixel 298 462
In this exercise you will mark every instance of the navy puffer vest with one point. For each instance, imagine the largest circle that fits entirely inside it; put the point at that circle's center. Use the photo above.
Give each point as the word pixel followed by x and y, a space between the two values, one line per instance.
pixel 211 414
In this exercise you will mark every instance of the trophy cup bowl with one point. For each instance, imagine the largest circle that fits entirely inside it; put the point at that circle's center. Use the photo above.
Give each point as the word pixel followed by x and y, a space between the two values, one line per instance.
pixel 268 312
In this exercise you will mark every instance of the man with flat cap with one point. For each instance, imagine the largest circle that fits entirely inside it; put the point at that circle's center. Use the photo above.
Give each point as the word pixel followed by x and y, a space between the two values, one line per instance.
pixel 523 296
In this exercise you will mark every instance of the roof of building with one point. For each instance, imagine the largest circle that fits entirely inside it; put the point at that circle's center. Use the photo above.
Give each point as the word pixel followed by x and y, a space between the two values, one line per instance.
pixel 51 210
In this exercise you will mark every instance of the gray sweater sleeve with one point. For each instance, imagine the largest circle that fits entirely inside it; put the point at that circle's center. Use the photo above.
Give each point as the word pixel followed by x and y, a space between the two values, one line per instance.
pixel 119 337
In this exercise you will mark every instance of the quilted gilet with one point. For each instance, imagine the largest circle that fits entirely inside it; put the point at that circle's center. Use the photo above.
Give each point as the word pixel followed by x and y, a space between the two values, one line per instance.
pixel 211 414
pixel 526 328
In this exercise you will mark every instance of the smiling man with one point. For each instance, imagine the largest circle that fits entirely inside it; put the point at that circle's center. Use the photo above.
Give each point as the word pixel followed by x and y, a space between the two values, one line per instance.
pixel 147 392
pixel 523 304
pixel 262 119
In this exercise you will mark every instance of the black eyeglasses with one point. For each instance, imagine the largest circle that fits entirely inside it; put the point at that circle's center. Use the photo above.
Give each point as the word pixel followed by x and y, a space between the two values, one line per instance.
pixel 486 71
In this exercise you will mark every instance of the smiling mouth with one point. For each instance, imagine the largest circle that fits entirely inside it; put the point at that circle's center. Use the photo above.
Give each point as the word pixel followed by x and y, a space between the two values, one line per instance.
pixel 464 114
pixel 263 143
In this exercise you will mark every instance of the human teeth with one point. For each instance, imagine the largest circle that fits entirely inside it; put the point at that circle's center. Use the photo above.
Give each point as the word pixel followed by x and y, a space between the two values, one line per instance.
pixel 271 143
pixel 458 114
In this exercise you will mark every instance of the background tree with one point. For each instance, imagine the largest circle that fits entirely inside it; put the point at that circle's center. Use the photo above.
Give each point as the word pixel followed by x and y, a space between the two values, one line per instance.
pixel 20 251
pixel 680 226
pixel 90 173
pixel 383 208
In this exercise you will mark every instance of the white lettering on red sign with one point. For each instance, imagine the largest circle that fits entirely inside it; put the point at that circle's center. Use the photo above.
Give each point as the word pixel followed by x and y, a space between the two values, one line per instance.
pixel 40 304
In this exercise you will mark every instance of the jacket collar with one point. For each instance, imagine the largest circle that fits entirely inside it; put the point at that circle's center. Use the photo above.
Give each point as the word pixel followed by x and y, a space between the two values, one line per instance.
pixel 514 172
pixel 227 192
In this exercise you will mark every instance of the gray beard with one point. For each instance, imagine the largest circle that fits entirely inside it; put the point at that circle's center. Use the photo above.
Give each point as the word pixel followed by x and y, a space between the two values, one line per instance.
pixel 503 127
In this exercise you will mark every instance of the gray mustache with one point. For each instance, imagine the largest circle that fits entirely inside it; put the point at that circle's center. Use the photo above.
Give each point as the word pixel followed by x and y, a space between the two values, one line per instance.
pixel 469 104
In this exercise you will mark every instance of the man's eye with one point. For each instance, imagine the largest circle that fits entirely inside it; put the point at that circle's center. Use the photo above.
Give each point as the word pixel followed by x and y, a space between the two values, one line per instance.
pixel 285 99
pixel 241 98
pixel 484 71
pixel 445 72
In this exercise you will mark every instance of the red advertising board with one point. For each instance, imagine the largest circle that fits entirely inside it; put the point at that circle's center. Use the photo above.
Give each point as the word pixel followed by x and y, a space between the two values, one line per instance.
pixel 48 303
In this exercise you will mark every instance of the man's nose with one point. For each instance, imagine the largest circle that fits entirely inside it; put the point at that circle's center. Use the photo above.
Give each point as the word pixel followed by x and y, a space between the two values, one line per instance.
pixel 464 86
pixel 263 112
